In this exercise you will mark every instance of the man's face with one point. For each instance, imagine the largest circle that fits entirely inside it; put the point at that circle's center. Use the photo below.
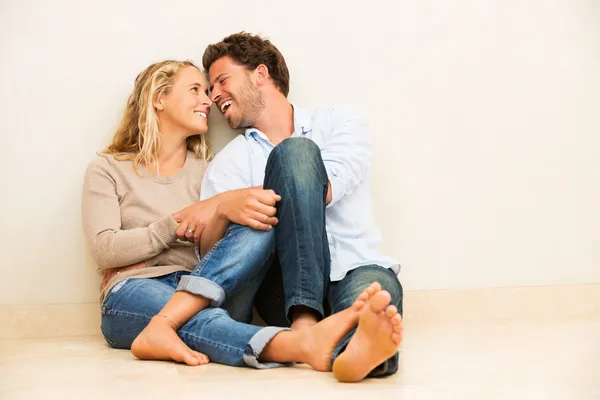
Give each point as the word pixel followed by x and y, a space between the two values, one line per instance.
pixel 234 93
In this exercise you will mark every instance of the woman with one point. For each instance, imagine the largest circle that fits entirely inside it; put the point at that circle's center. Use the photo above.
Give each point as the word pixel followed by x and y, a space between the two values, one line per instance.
pixel 133 194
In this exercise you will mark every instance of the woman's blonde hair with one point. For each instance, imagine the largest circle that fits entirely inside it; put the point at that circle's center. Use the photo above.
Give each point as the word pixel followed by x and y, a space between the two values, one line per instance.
pixel 138 138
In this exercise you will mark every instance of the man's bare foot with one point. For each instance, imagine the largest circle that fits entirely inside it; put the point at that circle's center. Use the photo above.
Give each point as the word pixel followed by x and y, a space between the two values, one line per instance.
pixel 159 341
pixel 303 318
pixel 301 323
pixel 320 340
pixel 377 338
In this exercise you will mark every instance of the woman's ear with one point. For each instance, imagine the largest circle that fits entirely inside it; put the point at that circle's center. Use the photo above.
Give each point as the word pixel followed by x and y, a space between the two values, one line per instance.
pixel 159 102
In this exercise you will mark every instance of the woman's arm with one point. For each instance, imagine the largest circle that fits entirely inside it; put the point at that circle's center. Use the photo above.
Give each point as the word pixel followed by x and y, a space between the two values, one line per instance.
pixel 112 246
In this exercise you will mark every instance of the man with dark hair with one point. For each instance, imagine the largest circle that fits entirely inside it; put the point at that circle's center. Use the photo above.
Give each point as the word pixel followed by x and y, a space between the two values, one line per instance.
pixel 326 238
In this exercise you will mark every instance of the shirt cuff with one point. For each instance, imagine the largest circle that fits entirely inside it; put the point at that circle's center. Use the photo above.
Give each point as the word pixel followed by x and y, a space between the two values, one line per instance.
pixel 337 186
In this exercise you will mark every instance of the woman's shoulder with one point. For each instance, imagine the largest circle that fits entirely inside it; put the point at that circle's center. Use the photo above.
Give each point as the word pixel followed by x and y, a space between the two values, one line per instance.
pixel 101 158
pixel 198 163
pixel 104 163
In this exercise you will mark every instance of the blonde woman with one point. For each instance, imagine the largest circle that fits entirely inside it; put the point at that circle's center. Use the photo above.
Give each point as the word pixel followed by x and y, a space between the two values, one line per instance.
pixel 157 299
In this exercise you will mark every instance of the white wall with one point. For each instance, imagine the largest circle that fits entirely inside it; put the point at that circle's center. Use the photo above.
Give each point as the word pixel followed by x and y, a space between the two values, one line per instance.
pixel 484 115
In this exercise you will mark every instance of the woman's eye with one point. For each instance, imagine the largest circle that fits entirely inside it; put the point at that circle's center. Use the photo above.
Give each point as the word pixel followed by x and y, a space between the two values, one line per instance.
pixel 195 89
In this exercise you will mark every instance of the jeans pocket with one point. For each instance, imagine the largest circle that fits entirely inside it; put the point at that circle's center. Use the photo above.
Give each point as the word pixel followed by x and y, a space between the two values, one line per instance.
pixel 108 300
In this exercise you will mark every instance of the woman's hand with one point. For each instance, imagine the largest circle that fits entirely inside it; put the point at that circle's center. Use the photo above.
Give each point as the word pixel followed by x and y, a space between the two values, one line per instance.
pixel 194 218
pixel 253 207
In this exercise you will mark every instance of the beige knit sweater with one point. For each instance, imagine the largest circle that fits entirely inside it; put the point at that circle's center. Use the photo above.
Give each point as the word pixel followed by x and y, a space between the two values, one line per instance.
pixel 127 218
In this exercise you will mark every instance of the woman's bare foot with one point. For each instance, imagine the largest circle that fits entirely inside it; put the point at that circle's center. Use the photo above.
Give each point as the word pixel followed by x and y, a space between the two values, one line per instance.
pixel 377 338
pixel 320 340
pixel 159 341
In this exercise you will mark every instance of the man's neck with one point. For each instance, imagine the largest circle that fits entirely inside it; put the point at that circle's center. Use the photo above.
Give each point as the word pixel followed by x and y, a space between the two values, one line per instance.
pixel 276 121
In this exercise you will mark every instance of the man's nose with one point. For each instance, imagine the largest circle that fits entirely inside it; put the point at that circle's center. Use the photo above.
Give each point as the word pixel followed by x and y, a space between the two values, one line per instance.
pixel 215 95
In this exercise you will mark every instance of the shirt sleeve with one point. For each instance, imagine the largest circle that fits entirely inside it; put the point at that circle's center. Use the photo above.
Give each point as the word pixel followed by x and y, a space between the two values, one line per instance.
pixel 230 169
pixel 110 245
pixel 346 152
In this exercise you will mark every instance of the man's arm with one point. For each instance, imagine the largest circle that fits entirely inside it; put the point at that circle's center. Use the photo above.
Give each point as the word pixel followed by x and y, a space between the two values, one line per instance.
pixel 252 207
pixel 228 178
pixel 346 152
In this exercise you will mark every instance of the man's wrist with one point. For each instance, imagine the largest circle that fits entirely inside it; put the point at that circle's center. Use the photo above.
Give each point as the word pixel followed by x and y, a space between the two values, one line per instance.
pixel 220 212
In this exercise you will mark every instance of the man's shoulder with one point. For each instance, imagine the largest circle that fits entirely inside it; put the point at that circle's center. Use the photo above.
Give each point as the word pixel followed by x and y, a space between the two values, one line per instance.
pixel 234 150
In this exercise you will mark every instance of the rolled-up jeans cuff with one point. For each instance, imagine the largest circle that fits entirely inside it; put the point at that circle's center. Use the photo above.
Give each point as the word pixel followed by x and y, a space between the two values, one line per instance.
pixel 202 287
pixel 300 301
pixel 256 346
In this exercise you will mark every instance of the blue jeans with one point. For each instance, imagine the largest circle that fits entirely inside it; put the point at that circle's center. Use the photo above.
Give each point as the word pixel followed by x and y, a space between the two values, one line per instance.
pixel 297 273
pixel 130 305
pixel 341 295
pixel 232 271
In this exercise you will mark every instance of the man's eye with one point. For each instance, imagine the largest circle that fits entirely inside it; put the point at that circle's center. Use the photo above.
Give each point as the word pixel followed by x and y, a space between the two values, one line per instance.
pixel 222 81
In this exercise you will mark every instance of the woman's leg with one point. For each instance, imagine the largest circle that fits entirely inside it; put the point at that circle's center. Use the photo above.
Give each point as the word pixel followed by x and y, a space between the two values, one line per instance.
pixel 240 257
pixel 129 307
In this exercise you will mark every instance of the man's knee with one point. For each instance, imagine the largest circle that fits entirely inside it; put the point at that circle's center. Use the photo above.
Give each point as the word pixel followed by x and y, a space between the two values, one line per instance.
pixel 390 282
pixel 246 235
pixel 365 275
pixel 301 160
pixel 295 152
pixel 296 147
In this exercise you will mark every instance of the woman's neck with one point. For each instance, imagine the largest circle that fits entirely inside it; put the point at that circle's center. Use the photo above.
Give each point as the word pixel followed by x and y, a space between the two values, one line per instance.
pixel 172 155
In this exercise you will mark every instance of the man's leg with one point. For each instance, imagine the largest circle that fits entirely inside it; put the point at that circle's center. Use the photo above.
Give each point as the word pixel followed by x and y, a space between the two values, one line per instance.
pixel 296 172
pixel 340 297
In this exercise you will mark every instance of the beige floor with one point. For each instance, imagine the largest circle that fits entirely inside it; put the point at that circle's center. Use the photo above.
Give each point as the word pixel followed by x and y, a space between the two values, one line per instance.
pixel 538 360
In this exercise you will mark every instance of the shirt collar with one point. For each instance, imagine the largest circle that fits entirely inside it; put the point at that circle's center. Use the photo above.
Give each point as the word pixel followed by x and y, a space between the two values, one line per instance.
pixel 302 124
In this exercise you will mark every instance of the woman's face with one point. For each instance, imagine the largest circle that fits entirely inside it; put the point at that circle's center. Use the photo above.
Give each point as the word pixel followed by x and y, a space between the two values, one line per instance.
pixel 185 109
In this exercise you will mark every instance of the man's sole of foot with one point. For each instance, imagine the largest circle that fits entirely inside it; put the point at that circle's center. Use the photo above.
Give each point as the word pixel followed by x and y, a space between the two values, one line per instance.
pixel 325 335
pixel 377 338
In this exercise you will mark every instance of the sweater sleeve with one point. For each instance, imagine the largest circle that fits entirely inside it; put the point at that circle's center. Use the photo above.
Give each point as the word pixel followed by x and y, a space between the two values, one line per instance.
pixel 112 246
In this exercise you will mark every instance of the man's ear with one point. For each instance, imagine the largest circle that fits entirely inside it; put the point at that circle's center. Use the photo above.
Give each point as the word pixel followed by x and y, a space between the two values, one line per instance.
pixel 262 74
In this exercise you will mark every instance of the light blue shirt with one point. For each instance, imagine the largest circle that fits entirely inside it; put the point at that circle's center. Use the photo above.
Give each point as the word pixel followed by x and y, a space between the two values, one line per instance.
pixel 346 149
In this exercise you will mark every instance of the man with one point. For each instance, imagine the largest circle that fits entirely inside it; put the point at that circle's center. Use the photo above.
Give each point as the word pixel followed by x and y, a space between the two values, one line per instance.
pixel 325 241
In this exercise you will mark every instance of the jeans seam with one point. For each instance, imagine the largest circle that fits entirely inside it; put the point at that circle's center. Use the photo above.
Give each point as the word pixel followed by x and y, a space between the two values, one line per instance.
pixel 207 256
pixel 126 313
pixel 289 196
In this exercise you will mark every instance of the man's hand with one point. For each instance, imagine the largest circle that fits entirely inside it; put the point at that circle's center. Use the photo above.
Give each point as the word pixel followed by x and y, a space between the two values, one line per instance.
pixel 194 218
pixel 108 274
pixel 253 207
